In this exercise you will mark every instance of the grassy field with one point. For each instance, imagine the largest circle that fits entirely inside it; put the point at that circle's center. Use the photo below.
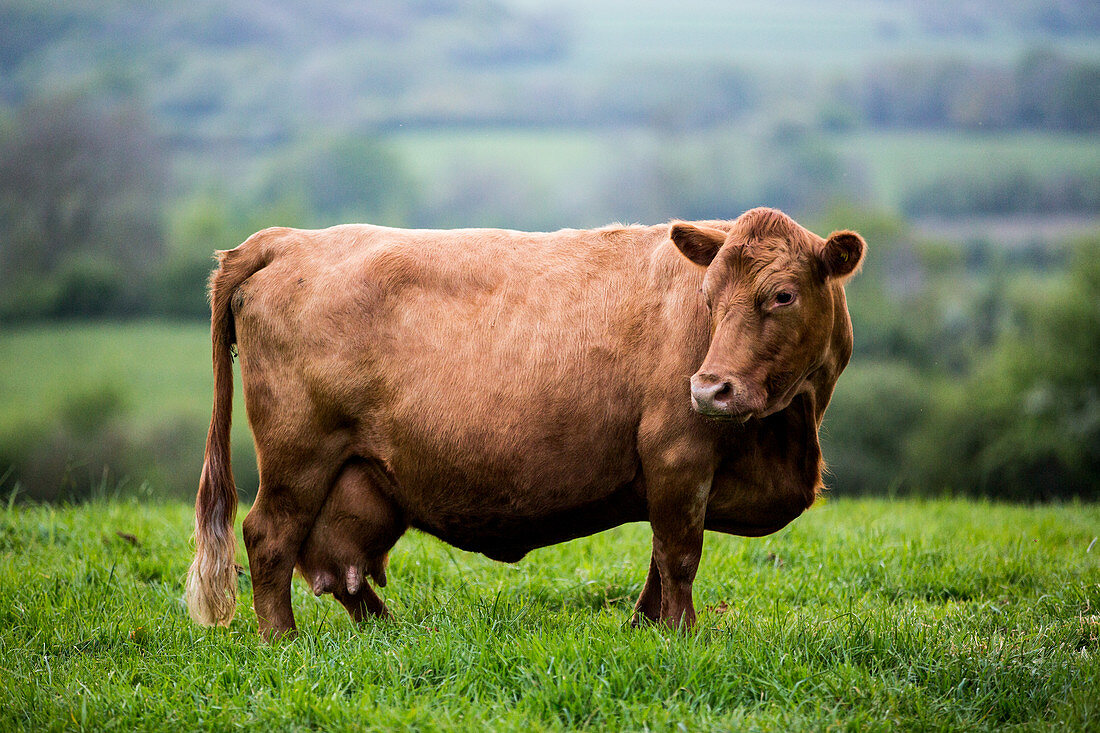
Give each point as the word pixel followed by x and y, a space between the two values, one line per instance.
pixel 157 369
pixel 144 387
pixel 561 165
pixel 863 615
pixel 154 368
pixel 898 162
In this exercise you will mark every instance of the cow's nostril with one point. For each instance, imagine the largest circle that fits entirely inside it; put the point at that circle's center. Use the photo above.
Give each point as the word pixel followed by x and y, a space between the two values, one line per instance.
pixel 710 391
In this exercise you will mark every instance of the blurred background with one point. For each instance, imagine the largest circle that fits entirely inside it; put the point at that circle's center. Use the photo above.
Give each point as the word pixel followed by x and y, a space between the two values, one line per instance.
pixel 959 136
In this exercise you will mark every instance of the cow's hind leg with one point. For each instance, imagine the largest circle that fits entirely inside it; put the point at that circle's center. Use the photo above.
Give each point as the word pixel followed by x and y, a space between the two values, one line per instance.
pixel 648 607
pixel 293 487
pixel 365 602
pixel 349 542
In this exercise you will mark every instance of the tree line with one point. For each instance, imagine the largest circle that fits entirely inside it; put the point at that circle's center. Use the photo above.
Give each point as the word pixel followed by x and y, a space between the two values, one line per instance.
pixel 1042 90
pixel 975 372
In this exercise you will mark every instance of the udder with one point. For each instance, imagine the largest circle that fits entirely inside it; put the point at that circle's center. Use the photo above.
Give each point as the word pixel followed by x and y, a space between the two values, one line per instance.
pixel 350 542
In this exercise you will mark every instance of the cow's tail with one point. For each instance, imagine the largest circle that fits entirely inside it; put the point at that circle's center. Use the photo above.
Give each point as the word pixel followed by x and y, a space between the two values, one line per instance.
pixel 212 579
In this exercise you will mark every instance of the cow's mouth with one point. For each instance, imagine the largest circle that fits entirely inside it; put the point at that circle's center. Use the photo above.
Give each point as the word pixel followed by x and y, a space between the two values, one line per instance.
pixel 720 415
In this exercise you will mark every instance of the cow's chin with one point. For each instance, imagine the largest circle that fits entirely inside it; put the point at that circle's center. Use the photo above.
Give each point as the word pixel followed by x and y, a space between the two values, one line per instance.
pixel 736 415
pixel 722 416
pixel 719 414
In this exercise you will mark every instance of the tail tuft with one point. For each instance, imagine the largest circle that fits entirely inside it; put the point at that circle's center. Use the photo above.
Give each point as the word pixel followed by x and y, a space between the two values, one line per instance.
pixel 211 592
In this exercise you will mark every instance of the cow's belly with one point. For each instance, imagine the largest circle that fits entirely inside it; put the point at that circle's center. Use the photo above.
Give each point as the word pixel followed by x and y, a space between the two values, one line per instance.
pixel 504 490
pixel 489 448
pixel 508 537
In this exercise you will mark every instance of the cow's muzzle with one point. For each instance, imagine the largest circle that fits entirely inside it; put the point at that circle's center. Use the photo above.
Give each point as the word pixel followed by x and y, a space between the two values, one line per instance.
pixel 724 398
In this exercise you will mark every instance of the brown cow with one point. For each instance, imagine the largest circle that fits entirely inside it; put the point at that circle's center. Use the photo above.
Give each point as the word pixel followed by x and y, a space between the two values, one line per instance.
pixel 505 391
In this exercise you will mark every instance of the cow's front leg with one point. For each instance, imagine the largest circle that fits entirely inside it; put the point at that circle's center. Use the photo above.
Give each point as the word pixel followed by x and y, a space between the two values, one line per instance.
pixel 677 519
pixel 677 548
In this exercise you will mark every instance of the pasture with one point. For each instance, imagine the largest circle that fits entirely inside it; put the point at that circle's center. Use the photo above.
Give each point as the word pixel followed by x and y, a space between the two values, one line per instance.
pixel 863 615
pixel 134 397
pixel 155 369
pixel 563 173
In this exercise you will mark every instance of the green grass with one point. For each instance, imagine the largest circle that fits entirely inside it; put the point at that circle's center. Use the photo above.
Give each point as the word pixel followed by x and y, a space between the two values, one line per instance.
pixel 861 615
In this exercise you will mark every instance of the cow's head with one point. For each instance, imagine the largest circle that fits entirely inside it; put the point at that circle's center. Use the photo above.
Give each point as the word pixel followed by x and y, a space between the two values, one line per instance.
pixel 778 318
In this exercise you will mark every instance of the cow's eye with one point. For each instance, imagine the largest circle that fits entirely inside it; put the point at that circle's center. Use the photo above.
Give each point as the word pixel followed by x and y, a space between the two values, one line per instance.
pixel 784 297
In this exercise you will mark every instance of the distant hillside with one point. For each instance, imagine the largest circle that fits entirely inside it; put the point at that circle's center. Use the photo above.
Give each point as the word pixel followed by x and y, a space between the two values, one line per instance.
pixel 258 72
pixel 703 105
pixel 255 71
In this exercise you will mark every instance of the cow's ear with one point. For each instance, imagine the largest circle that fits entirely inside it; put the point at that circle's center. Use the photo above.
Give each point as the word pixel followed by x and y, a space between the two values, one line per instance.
pixel 698 244
pixel 842 254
